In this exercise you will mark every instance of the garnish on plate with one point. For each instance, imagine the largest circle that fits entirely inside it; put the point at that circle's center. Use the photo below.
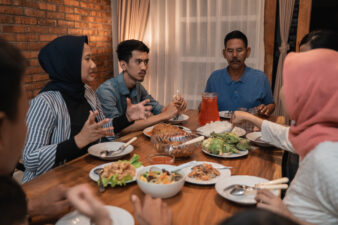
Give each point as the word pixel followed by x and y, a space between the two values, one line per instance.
pixel 120 172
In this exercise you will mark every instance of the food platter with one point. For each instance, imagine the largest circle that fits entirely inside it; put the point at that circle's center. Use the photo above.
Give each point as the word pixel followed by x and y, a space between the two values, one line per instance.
pixel 223 173
pixel 93 176
pixel 95 150
pixel 148 131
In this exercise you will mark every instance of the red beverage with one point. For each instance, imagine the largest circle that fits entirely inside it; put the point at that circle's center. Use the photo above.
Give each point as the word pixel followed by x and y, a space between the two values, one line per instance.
pixel 209 108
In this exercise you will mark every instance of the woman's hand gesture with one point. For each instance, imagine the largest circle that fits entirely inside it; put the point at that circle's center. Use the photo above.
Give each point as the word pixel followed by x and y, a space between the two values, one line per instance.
pixel 92 131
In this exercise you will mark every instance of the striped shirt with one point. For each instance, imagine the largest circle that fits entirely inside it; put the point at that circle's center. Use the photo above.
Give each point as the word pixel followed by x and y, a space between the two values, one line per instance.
pixel 48 124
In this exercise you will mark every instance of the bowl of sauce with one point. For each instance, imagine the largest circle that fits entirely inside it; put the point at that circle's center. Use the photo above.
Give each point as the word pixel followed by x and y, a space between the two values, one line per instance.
pixel 161 158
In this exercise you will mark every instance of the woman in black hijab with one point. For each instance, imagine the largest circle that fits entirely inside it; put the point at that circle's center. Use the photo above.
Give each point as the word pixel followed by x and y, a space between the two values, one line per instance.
pixel 66 117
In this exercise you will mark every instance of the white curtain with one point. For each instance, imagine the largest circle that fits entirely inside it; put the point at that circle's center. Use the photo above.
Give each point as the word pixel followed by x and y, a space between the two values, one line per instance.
pixel 186 41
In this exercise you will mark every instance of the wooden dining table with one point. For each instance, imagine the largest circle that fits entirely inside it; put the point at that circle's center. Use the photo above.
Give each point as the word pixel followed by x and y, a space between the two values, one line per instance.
pixel 194 204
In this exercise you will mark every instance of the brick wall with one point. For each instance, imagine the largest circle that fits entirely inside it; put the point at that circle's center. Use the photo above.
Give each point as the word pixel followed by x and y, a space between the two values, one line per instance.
pixel 30 24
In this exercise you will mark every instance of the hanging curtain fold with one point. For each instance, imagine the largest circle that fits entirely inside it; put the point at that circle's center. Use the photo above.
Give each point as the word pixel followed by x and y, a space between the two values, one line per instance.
pixel 132 18
pixel 285 17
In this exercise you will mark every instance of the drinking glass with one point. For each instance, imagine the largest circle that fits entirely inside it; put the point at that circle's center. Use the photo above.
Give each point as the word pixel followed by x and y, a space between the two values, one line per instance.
pixel 209 108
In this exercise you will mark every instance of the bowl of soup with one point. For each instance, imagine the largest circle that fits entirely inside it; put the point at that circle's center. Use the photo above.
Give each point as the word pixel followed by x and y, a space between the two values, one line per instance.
pixel 159 182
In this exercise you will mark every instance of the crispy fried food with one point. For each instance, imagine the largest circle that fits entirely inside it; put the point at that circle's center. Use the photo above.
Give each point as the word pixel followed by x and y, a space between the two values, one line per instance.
pixel 167 130
pixel 204 172
pixel 122 169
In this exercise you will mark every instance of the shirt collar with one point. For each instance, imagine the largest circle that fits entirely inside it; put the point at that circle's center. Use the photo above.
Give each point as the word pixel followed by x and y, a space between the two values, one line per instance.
pixel 124 90
pixel 242 80
pixel 122 85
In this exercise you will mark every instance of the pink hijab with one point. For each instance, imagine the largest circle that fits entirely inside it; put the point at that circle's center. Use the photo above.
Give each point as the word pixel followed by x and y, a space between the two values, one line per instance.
pixel 311 98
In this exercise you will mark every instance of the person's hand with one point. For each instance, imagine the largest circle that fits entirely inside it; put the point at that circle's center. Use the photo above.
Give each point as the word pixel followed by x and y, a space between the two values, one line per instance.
pixel 50 203
pixel 239 116
pixel 267 200
pixel 170 111
pixel 138 111
pixel 180 103
pixel 265 110
pixel 91 131
pixel 153 211
pixel 81 198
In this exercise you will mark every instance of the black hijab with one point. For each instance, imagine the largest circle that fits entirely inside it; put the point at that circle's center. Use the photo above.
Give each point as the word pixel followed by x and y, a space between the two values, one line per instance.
pixel 62 59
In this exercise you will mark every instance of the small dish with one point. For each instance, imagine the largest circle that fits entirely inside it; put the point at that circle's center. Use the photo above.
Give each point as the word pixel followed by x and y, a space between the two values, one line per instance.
pixel 160 190
pixel 180 119
pixel 161 158
pixel 255 138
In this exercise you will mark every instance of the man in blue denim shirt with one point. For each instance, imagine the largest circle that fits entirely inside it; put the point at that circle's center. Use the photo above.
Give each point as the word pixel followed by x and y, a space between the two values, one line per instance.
pixel 115 92
pixel 239 86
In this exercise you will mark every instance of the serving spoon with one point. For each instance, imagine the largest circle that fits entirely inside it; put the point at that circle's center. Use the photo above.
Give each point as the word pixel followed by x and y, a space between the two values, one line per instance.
pixel 241 189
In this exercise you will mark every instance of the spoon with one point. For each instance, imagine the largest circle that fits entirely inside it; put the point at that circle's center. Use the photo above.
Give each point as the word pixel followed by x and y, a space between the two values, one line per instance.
pixel 241 189
pixel 98 171
pixel 177 168
pixel 101 187
pixel 106 153
pixel 192 141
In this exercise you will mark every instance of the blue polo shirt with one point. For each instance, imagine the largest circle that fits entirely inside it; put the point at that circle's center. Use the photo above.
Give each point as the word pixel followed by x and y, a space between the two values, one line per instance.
pixel 253 89
pixel 113 95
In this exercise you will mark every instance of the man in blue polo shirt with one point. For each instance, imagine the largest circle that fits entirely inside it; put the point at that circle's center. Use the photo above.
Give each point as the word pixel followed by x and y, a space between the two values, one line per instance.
pixel 115 92
pixel 237 85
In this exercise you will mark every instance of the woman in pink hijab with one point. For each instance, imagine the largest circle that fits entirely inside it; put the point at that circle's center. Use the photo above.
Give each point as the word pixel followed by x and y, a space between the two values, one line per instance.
pixel 310 94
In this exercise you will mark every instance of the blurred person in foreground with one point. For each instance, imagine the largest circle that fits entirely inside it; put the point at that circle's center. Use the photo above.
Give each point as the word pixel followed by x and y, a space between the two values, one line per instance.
pixel 237 85
pixel 257 216
pixel 310 97
pixel 15 208
pixel 133 58
pixel 13 108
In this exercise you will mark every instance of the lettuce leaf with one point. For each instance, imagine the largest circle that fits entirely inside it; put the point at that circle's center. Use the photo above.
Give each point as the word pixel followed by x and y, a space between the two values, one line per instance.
pixel 114 181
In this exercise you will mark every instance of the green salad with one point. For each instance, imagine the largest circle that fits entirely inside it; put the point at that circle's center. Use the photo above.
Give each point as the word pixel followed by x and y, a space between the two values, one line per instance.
pixel 225 143
pixel 120 172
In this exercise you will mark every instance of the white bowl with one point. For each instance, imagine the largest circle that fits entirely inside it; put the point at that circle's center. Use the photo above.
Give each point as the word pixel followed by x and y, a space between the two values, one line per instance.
pixel 160 190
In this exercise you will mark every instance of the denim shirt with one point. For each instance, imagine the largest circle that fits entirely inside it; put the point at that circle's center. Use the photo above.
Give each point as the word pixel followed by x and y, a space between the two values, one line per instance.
pixel 113 93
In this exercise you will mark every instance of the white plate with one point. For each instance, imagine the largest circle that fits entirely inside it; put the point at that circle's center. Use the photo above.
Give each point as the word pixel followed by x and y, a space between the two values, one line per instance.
pixel 110 146
pixel 118 215
pixel 247 199
pixel 225 114
pixel 240 132
pixel 219 127
pixel 181 118
pixel 147 131
pixel 95 177
pixel 224 173
pixel 253 138
pixel 230 155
